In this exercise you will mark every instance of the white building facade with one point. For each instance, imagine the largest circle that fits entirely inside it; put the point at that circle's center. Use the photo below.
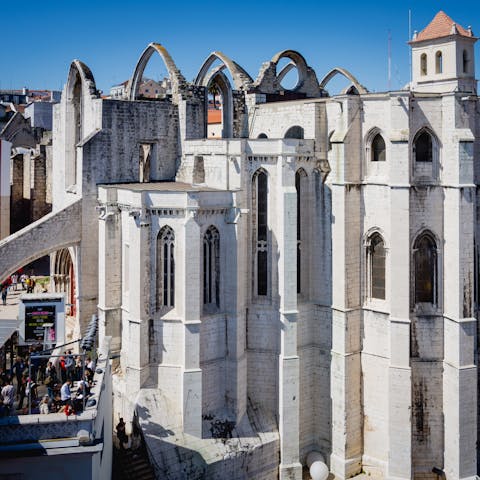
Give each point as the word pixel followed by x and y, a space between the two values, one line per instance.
pixel 307 283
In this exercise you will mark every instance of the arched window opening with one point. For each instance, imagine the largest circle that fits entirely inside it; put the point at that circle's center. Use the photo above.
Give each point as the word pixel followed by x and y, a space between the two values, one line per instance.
pixel 300 177
pixel 262 135
pixel 378 152
pixel 425 268
pixel 438 62
pixel 465 61
pixel 376 266
pixel 423 64
pixel 423 147
pixel 165 268
pixel 74 132
pixel 219 107
pixel 294 132
pixel 211 267
pixel 260 226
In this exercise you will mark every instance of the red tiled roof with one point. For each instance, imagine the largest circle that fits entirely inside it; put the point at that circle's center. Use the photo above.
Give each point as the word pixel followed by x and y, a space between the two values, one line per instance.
pixel 441 26
pixel 214 116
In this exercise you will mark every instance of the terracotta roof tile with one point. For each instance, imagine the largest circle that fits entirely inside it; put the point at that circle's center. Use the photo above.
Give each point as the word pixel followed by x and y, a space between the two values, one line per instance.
pixel 440 26
pixel 214 116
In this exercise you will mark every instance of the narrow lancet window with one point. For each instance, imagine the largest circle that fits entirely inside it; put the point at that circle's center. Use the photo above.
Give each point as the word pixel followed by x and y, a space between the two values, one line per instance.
pixel 260 204
pixel 165 268
pixel 376 254
pixel 378 149
pixel 438 62
pixel 423 147
pixel 211 267
pixel 425 264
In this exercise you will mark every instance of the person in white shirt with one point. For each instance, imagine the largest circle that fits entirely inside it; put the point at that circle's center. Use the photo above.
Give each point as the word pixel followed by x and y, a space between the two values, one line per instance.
pixel 8 395
pixel 65 393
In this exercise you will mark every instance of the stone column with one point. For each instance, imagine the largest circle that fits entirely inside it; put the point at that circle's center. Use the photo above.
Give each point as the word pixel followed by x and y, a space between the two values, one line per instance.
pixel 110 271
pixel 139 268
pixel 460 371
pixel 399 371
pixel 289 372
pixel 191 302
pixel 233 278
pixel 346 372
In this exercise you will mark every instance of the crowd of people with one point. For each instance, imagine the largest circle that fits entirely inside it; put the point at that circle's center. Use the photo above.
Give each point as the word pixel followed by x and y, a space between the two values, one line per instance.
pixel 26 282
pixel 46 384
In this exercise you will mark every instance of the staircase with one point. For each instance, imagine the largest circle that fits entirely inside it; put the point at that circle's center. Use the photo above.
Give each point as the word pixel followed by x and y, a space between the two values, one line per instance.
pixel 132 465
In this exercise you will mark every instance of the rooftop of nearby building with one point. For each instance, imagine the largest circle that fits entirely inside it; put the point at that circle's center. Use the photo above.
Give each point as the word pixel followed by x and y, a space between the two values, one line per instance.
pixel 441 26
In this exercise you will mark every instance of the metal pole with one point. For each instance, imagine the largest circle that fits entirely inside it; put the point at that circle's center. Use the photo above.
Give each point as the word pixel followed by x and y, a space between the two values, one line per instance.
pixel 29 385
pixel 83 380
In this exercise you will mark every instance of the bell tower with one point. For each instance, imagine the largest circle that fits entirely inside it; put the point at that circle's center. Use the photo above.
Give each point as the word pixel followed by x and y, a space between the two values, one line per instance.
pixel 443 57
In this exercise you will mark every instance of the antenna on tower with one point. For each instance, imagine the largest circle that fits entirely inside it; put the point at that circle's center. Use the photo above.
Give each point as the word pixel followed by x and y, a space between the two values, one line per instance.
pixel 409 39
pixel 389 60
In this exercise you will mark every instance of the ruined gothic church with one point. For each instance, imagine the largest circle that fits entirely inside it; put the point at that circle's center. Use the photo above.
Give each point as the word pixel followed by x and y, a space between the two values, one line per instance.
pixel 303 287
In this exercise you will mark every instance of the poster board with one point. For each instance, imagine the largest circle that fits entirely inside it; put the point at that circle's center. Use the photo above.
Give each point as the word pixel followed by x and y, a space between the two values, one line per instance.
pixel 42 319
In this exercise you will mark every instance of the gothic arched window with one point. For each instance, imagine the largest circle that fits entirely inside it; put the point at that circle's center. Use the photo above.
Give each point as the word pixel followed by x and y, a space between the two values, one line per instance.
pixel 260 227
pixel 425 268
pixel 211 267
pixel 438 62
pixel 423 147
pixel 423 64
pixel 165 268
pixel 378 150
pixel 376 266
pixel 300 177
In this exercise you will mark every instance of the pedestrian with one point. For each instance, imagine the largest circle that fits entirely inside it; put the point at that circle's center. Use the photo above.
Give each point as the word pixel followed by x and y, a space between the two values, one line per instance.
pixel 63 370
pixel 8 395
pixel 44 407
pixel 14 279
pixel 65 393
pixel 17 370
pixel 70 365
pixel 121 434
pixel 4 294
pixel 23 279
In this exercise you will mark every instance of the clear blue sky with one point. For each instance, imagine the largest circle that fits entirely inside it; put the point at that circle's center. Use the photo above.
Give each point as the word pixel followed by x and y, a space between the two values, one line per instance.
pixel 41 38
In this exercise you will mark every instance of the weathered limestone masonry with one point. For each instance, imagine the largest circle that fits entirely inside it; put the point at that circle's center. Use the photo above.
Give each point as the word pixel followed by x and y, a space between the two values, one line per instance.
pixel 308 283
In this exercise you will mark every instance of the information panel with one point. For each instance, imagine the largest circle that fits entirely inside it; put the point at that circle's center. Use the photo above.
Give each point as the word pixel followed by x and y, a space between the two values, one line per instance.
pixel 35 318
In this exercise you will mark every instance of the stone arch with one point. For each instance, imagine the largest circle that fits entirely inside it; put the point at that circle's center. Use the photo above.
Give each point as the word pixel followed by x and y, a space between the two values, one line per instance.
pixel 80 89
pixel 341 71
pixel 174 73
pixel 80 72
pixel 63 276
pixel 297 60
pixel 221 80
pixel 241 79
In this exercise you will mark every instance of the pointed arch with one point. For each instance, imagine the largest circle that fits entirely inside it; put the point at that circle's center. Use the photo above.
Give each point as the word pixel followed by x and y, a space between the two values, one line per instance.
pixel 376 265
pixel 174 73
pixel 341 71
pixel 425 145
pixel 425 268
pixel 241 79
pixel 79 73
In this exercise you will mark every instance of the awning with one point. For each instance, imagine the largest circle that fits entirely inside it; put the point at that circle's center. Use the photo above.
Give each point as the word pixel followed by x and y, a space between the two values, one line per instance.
pixel 7 327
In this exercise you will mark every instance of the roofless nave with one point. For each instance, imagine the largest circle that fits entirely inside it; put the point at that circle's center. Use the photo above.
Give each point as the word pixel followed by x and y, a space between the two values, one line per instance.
pixel 304 285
